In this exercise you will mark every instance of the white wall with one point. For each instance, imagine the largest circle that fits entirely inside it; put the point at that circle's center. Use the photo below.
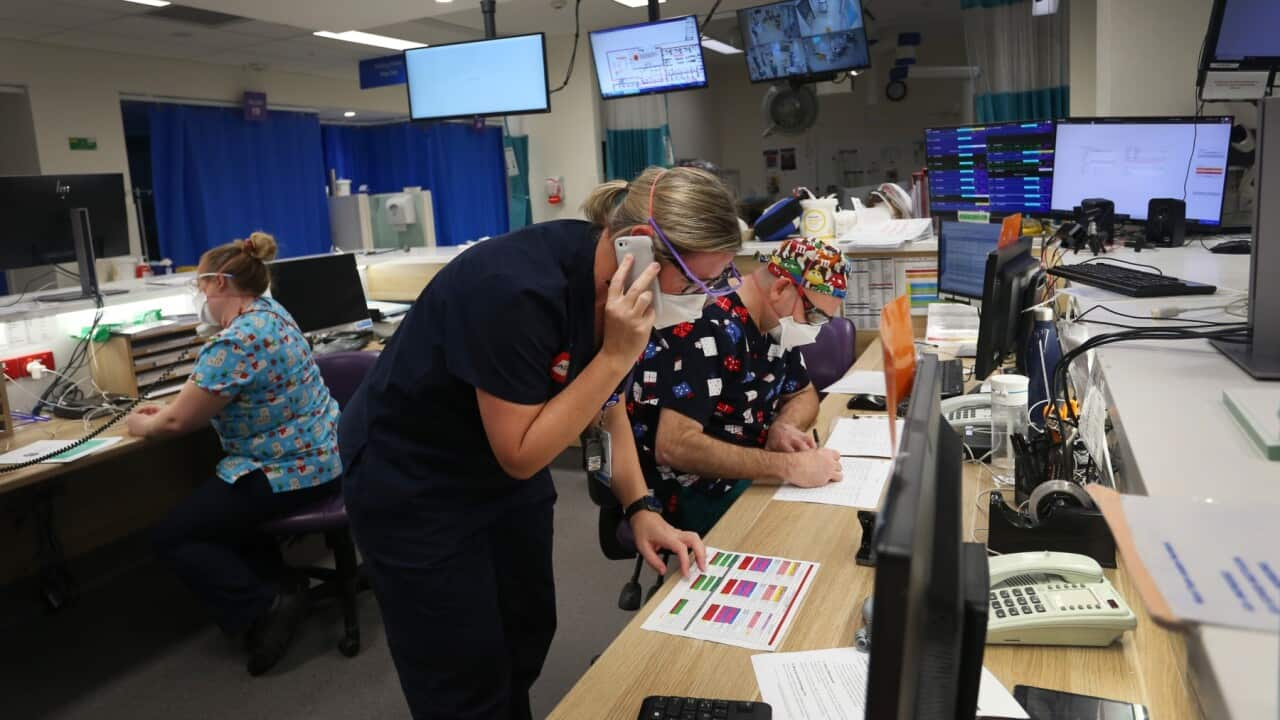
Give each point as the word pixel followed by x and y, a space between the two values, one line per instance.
pixel 1147 53
pixel 691 117
pixel 565 143
pixel 1082 34
pixel 17 141
pixel 885 134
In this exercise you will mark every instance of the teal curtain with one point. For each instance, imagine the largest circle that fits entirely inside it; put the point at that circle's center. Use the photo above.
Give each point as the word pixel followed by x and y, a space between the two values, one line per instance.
pixel 1022 60
pixel 1046 104
pixel 629 152
pixel 520 208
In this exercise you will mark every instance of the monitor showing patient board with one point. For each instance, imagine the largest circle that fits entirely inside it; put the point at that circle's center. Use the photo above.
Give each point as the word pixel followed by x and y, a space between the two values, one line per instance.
pixel 654 57
pixel 500 76
pixel 1132 160
pixel 963 248
pixel 804 39
pixel 1000 168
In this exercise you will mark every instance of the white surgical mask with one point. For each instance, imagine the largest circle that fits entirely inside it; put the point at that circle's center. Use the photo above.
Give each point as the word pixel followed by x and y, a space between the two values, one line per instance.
pixel 203 311
pixel 676 309
pixel 792 333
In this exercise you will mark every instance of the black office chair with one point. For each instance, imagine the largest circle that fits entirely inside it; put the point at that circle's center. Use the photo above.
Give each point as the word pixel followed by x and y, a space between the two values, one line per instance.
pixel 617 543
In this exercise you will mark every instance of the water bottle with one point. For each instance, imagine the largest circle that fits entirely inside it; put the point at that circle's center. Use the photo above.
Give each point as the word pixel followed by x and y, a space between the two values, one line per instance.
pixel 1042 355
pixel 1008 417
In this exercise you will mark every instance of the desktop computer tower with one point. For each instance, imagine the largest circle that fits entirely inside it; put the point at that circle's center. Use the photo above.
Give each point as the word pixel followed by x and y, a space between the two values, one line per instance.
pixel 1167 222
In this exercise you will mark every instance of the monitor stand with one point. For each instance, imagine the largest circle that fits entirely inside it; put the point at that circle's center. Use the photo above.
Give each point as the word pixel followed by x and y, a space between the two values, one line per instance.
pixel 1260 356
pixel 82 235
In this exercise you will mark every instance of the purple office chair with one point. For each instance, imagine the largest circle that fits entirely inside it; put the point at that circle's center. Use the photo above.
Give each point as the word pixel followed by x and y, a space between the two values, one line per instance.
pixel 342 373
pixel 831 356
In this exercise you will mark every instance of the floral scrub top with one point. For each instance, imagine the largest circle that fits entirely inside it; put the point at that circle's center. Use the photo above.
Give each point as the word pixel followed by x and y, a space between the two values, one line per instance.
pixel 281 418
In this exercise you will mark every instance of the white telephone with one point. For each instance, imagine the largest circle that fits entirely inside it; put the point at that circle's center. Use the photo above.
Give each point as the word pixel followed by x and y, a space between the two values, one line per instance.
pixel 1053 598
pixel 970 416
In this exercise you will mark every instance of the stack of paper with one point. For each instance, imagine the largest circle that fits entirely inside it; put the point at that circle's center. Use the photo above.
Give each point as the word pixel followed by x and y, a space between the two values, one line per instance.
pixel 887 234
pixel 953 327
pixel 863 437
pixel 864 479
pixel 832 685
pixel 859 382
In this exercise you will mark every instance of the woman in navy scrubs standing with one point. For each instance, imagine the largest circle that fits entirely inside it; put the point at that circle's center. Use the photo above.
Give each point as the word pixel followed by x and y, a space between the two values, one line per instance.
pixel 517 346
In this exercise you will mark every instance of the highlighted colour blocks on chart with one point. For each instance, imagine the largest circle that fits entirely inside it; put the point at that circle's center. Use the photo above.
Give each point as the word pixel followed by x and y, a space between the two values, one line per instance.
pixel 741 599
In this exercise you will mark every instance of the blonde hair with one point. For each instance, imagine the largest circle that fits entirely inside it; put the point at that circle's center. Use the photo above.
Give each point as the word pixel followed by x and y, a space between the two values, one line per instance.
pixel 693 207
pixel 244 260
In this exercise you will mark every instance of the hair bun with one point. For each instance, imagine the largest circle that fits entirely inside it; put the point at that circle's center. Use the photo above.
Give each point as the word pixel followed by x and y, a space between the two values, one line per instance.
pixel 260 245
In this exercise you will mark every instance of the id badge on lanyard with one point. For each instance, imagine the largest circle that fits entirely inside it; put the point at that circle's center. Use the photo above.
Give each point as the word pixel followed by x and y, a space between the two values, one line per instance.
pixel 597 443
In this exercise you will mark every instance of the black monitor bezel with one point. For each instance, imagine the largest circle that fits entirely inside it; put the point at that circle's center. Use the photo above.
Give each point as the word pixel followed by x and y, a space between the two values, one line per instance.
pixel 702 53
pixel 942 249
pixel 1208 59
pixel 1141 120
pixel 996 336
pixel 545 79
pixel 295 263
pixel 807 77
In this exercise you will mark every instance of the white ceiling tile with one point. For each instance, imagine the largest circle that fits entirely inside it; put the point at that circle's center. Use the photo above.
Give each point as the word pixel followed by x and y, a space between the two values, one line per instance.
pixel 146 28
pixel 50 12
pixel 340 15
pixel 257 28
pixel 117 43
pixel 321 49
pixel 23 30
pixel 118 7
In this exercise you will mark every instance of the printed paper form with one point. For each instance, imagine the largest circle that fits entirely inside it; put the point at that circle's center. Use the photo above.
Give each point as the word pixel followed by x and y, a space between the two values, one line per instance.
pixel 868 437
pixel 44 447
pixel 864 480
pixel 742 599
pixel 831 685
pixel 859 382
pixel 1212 563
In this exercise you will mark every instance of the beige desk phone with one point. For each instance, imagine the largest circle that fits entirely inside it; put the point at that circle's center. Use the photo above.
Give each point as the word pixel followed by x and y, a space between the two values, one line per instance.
pixel 1053 598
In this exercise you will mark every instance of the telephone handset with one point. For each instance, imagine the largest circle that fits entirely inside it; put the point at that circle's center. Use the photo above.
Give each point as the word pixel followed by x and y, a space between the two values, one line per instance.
pixel 1053 598
pixel 970 417
pixel 640 247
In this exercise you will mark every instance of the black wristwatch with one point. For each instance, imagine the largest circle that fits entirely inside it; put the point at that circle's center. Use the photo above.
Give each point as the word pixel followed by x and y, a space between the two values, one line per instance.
pixel 648 502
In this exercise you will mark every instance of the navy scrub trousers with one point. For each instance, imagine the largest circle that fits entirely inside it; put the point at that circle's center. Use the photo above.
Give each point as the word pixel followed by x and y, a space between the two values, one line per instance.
pixel 458 552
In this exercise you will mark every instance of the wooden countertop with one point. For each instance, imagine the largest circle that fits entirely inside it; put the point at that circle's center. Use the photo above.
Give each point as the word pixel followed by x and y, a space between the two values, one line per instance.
pixel 1147 665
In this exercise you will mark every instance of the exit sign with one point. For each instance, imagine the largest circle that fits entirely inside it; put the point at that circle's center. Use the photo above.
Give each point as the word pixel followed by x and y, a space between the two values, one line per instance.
pixel 83 143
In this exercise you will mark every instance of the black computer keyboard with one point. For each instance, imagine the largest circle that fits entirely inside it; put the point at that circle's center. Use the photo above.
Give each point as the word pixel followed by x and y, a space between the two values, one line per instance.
pixel 952 378
pixel 658 707
pixel 1128 281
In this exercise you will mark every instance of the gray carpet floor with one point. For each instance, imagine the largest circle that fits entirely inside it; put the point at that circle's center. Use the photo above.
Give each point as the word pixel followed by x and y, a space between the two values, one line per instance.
pixel 139 647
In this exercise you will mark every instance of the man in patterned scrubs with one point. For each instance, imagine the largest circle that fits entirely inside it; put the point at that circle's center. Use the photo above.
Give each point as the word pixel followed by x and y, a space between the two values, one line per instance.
pixel 726 400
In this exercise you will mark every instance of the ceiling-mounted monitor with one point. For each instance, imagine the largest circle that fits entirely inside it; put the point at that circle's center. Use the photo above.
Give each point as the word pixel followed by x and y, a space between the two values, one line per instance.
pixel 499 76
pixel 804 40
pixel 648 58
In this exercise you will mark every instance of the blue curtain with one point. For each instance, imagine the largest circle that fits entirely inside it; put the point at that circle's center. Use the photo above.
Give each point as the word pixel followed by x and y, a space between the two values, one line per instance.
pixel 463 167
pixel 219 177
pixel 1046 104
pixel 629 152
pixel 519 206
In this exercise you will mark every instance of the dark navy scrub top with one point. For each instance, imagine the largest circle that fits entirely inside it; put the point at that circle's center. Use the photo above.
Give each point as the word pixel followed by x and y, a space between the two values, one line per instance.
pixel 513 316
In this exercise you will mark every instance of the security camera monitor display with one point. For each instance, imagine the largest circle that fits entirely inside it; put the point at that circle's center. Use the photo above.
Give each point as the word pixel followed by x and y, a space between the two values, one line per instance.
pixel 803 39
pixel 654 57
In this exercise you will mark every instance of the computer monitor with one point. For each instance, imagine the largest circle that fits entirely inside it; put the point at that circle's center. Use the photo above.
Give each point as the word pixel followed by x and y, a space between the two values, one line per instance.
pixel 36 225
pixel 929 615
pixel 1001 168
pixel 1010 281
pixel 320 292
pixel 1132 160
pixel 962 256
pixel 500 76
pixel 1242 35
pixel 655 57
pixel 803 40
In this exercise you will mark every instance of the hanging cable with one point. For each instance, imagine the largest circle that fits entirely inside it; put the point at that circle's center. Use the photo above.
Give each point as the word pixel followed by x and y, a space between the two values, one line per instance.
pixel 715 6
pixel 573 55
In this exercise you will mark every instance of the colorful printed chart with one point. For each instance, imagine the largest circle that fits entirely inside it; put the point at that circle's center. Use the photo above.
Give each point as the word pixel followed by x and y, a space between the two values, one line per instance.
pixel 742 599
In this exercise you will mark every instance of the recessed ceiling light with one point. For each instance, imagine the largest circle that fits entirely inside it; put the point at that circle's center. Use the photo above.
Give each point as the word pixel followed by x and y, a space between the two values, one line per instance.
pixel 349 113
pixel 152 3
pixel 854 73
pixel 636 3
pixel 364 38
pixel 444 1
pixel 716 46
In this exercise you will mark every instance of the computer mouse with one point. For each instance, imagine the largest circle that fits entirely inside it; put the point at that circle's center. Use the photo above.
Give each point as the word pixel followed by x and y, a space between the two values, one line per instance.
pixel 866 402
pixel 1233 247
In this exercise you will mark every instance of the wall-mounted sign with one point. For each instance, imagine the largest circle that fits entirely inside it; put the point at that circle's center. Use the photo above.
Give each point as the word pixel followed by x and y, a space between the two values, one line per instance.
pixel 255 106
pixel 83 143
pixel 381 71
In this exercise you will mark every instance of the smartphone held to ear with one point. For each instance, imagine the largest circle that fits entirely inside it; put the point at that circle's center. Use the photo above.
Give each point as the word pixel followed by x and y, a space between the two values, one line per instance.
pixel 641 248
